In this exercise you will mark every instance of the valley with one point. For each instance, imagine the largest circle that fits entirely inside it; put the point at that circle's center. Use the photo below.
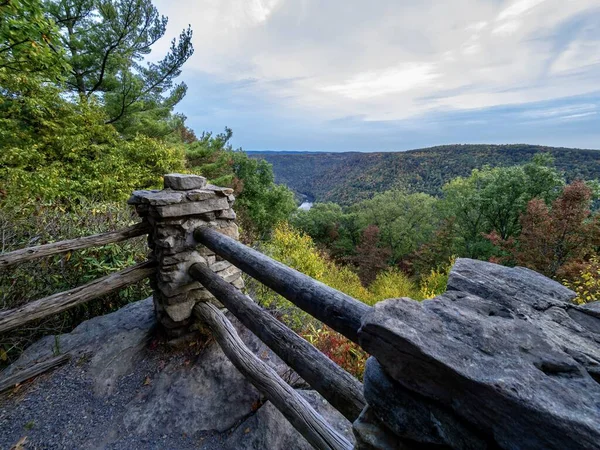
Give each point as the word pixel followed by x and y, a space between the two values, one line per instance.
pixel 348 177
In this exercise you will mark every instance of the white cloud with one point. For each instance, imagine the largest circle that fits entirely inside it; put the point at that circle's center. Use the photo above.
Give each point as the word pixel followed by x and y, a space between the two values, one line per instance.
pixel 394 59
pixel 389 81
pixel 562 112
pixel 507 28
pixel 517 8
pixel 477 26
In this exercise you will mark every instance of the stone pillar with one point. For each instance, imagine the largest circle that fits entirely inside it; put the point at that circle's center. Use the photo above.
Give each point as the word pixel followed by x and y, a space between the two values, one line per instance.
pixel 185 203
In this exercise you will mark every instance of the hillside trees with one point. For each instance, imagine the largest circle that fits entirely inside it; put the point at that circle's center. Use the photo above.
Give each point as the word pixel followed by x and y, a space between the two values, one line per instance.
pixel 494 199
pixel 405 221
pixel 329 226
pixel 516 215
pixel 347 178
pixel 555 237
pixel 261 203
pixel 370 258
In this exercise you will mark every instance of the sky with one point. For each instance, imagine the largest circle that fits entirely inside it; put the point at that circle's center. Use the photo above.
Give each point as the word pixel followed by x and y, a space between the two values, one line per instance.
pixel 391 75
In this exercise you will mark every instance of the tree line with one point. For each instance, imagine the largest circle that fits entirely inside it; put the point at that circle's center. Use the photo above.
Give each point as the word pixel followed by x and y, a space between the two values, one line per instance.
pixel 347 178
pixel 525 215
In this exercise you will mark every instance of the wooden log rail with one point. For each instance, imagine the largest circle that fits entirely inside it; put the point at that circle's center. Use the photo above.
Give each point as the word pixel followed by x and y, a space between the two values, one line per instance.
pixel 337 386
pixel 62 301
pixel 33 371
pixel 40 251
pixel 293 406
pixel 334 308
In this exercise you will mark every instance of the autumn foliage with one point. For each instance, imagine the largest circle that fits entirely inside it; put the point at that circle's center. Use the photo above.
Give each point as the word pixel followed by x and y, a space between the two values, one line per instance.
pixel 556 238
pixel 370 257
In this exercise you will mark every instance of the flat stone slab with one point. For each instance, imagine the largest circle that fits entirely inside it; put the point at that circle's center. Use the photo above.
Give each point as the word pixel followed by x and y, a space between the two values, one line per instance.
pixel 156 198
pixel 192 208
pixel 503 349
pixel 184 182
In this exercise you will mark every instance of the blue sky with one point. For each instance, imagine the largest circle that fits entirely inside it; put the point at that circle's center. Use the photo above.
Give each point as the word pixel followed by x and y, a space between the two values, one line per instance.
pixel 390 75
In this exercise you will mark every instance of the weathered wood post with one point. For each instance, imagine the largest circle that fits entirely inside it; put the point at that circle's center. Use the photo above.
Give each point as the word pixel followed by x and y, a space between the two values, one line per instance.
pixel 185 203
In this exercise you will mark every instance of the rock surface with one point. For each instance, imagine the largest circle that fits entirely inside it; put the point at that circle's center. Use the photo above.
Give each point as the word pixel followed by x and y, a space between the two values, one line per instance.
pixel 414 417
pixel 184 182
pixel 503 350
pixel 123 389
pixel 267 430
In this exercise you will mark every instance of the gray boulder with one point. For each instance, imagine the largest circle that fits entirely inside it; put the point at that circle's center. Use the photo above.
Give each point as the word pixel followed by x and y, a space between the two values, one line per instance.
pixel 503 350
pixel 417 419
pixel 184 182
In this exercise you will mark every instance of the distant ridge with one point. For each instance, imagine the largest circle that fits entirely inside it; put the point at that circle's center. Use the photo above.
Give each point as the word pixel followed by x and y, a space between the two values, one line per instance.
pixel 347 177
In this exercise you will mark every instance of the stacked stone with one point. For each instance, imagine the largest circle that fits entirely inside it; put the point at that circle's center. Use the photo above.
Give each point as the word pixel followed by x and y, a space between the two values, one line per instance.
pixel 186 203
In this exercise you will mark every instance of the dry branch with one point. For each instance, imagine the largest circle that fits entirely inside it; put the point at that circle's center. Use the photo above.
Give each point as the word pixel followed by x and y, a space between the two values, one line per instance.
pixel 32 371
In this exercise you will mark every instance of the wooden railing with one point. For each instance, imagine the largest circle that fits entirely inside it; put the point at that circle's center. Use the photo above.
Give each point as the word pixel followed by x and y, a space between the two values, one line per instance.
pixel 27 254
pixel 334 308
pixel 339 311
pixel 62 301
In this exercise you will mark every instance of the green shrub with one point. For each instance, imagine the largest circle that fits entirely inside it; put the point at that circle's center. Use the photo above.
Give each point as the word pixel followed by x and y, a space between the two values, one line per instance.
pixel 71 153
pixel 434 283
pixel 393 283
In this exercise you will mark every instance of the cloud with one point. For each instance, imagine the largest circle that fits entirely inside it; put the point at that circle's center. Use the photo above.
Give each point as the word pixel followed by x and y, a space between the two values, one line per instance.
pixel 518 8
pixel 390 60
pixel 576 111
pixel 389 81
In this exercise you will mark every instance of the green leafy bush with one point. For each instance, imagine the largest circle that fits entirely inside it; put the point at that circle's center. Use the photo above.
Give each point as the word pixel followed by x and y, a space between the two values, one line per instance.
pixel 85 159
pixel 435 282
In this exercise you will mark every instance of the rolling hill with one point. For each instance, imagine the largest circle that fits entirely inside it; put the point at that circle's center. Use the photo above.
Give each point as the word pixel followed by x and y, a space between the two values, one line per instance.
pixel 346 178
